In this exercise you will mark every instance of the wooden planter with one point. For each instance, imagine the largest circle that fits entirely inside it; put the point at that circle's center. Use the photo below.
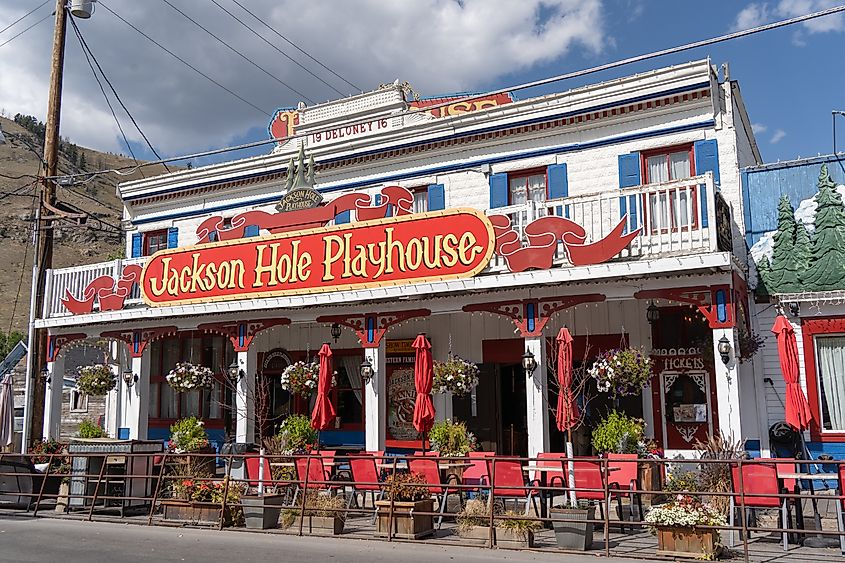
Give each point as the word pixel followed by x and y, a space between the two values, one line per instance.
pixel 182 464
pixel 687 542
pixel 192 512
pixel 407 524
pixel 651 479
pixel 332 525
pixel 504 537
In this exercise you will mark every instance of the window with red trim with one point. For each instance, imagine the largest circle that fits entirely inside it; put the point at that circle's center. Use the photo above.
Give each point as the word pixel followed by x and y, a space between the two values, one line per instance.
pixel 824 354
pixel 527 185
pixel 675 208
pixel 420 204
pixel 154 241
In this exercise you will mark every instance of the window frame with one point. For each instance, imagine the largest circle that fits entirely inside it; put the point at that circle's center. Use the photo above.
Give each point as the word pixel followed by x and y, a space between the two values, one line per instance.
pixel 82 397
pixel 145 243
pixel 527 173
pixel 674 225
pixel 810 329
pixel 416 191
pixel 666 151
pixel 335 393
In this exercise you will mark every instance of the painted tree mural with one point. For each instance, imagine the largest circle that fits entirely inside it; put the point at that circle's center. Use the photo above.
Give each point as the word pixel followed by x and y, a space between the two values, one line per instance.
pixel 784 270
pixel 826 270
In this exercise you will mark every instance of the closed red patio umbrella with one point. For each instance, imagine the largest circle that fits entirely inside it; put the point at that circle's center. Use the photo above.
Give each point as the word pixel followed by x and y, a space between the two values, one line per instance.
pixel 797 409
pixel 323 414
pixel 423 381
pixel 567 409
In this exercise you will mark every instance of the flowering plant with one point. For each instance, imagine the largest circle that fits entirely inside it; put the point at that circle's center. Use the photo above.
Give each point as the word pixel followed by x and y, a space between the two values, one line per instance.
pixel 96 380
pixel 684 511
pixel 188 377
pixel 300 378
pixel 621 372
pixel 187 435
pixel 452 439
pixel 455 375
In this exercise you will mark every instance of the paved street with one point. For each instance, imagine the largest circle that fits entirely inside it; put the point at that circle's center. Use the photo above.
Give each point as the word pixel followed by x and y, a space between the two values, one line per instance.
pixel 26 539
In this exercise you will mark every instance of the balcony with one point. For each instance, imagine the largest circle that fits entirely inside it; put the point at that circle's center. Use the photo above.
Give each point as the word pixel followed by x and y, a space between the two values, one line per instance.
pixel 675 219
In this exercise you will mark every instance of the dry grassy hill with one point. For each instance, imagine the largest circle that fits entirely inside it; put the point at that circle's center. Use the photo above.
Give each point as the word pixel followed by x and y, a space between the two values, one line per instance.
pixel 74 245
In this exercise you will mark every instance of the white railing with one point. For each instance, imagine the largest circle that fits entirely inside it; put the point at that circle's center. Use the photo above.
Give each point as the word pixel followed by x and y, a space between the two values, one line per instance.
pixel 675 218
pixel 77 278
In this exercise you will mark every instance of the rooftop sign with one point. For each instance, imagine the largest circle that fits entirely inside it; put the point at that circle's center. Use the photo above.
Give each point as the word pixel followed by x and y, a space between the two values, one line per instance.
pixel 440 245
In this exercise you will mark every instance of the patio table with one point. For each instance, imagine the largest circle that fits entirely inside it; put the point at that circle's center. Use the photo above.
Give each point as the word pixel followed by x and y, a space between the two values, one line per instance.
pixel 799 512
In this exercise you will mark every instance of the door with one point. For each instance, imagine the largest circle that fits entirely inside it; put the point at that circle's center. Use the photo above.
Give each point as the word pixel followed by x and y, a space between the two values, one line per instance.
pixel 513 408
pixel 480 409
pixel 687 409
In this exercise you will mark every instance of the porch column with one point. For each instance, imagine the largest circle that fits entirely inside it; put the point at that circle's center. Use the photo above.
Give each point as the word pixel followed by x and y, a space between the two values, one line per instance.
pixel 53 398
pixel 375 402
pixel 245 398
pixel 727 386
pixel 137 398
pixel 537 398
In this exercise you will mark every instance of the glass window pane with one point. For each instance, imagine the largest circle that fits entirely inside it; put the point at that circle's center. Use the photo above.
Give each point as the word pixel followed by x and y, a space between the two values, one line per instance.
pixel 171 354
pixel 831 351
pixel 537 187
pixel 154 399
pixel 679 165
pixel 211 401
pixel 169 402
pixel 190 404
pixel 519 191
pixel 657 170
pixel 420 201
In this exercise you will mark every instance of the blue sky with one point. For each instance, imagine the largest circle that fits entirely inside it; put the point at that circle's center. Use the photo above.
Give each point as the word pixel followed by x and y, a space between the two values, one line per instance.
pixel 790 78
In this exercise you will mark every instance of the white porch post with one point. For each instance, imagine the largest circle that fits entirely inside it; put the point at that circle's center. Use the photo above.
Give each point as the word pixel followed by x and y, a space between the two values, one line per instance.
pixel 137 398
pixel 245 397
pixel 53 398
pixel 537 398
pixel 727 386
pixel 375 403
pixel 115 414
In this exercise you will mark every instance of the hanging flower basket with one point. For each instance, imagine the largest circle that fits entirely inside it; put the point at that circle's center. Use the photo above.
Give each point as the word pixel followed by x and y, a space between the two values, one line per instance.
pixel 621 372
pixel 96 380
pixel 189 377
pixel 300 378
pixel 455 375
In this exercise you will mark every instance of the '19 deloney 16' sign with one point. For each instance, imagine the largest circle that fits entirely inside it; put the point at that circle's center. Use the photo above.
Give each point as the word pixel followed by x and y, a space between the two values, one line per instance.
pixel 456 243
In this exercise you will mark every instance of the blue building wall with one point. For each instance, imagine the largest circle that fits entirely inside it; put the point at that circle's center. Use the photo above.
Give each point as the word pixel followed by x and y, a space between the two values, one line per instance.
pixel 763 185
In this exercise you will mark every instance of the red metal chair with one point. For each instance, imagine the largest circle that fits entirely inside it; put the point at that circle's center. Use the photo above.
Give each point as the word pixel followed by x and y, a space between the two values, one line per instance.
pixel 252 472
pixel 757 479
pixel 589 484
pixel 554 461
pixel 313 467
pixel 508 482
pixel 476 473
pixel 623 480
pixel 430 470
pixel 365 479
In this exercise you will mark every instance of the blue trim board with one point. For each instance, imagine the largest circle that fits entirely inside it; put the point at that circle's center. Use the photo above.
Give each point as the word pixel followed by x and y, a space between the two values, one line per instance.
pixel 600 107
pixel 561 149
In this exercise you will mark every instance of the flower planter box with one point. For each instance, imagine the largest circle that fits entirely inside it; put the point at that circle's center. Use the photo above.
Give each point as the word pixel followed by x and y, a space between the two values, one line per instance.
pixel 574 535
pixel 192 512
pixel 183 464
pixel 407 523
pixel 651 479
pixel 330 525
pixel 687 542
pixel 504 537
pixel 262 513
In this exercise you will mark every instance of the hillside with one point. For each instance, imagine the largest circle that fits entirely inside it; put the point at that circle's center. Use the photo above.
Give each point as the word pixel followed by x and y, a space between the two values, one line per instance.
pixel 94 242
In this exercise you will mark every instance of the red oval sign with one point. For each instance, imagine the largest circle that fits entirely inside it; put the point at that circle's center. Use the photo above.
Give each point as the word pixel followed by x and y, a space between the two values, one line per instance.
pixel 440 245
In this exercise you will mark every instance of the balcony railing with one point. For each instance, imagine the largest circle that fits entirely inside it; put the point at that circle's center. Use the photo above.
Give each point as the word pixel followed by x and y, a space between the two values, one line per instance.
pixel 77 278
pixel 675 218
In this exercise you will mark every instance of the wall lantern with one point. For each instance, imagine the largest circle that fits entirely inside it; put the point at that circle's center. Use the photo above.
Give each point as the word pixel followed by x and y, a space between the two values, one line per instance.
pixel 529 364
pixel 235 372
pixel 335 332
pixel 724 346
pixel 794 309
pixel 45 374
pixel 367 371
pixel 652 314
pixel 129 378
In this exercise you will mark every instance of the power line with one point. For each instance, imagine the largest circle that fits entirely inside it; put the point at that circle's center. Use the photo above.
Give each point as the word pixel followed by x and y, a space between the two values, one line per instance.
pixel 288 57
pixel 88 51
pixel 23 17
pixel 184 62
pixel 125 171
pixel 238 53
pixel 25 30
pixel 294 45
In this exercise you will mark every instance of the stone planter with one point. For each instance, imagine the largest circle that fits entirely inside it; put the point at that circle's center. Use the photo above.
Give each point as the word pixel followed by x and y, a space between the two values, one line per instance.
pixel 574 535
pixel 504 537
pixel 687 542
pixel 262 513
pixel 192 512
pixel 407 524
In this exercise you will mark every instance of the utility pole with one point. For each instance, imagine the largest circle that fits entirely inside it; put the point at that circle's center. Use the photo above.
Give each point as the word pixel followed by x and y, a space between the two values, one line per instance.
pixel 37 360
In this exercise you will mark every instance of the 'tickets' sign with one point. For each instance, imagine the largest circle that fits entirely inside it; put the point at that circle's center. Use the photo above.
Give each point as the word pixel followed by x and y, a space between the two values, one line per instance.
pixel 440 245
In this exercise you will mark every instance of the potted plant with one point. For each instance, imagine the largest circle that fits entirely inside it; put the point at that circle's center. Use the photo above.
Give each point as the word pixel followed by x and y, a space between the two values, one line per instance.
pixel 323 513
pixel 188 436
pixel 455 375
pixel 572 527
pixel 300 378
pixel 407 496
pixel 186 376
pixel 96 380
pixel 296 435
pixel 677 527
pixel 90 430
pixel 618 433
pixel 197 500
pixel 621 372
pixel 510 530
pixel 58 465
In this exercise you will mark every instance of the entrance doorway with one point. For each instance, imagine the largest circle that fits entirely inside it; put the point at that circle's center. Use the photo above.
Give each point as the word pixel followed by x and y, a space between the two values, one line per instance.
pixel 513 407
pixel 278 403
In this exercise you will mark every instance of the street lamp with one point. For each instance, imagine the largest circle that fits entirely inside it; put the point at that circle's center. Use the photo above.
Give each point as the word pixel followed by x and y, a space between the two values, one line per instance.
pixel 367 371
pixel 724 346
pixel 129 378
pixel 529 364
pixel 652 314
pixel 235 372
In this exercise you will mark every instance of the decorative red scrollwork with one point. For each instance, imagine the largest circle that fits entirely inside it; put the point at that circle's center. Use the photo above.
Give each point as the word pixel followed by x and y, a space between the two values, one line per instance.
pixel 398 197
pixel 110 293
pixel 530 316
pixel 371 327
pixel 241 333
pixel 543 235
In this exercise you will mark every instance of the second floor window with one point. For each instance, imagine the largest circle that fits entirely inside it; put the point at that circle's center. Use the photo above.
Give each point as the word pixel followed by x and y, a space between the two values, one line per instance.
pixel 527 186
pixel 155 241
pixel 420 204
pixel 668 165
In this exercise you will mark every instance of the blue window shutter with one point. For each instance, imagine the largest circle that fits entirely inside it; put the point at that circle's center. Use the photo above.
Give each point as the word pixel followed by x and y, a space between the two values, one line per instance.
pixel 342 218
pixel 172 237
pixel 629 170
pixel 251 231
pixel 498 190
pixel 378 199
pixel 137 246
pixel 707 158
pixel 558 181
pixel 436 197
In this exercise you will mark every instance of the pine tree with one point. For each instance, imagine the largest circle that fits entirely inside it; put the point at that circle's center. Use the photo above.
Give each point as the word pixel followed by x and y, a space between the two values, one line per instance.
pixel 764 273
pixel 784 272
pixel 827 254
pixel 802 250
pixel 81 160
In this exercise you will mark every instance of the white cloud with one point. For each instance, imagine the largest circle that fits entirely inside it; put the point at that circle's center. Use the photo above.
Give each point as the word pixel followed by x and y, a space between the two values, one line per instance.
pixel 758 128
pixel 752 16
pixel 759 13
pixel 440 46
pixel 777 136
